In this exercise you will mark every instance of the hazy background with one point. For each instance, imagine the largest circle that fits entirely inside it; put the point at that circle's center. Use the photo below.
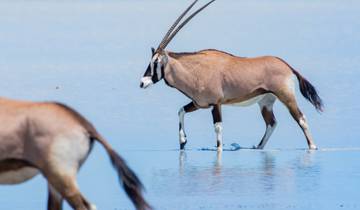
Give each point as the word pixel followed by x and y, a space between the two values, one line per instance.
pixel 91 55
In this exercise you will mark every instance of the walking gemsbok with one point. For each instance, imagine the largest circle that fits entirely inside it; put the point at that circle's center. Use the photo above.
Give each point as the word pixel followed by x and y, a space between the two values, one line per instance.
pixel 211 78
pixel 54 140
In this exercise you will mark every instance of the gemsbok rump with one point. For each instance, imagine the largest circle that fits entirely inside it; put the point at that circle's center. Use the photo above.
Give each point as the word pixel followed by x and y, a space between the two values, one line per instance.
pixel 211 78
pixel 54 140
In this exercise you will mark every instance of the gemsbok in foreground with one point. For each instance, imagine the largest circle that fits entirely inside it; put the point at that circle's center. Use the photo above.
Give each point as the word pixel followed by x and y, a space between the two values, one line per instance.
pixel 54 140
pixel 211 78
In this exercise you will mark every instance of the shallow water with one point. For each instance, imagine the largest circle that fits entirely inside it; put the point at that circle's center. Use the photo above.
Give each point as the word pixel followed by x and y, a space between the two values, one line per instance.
pixel 91 55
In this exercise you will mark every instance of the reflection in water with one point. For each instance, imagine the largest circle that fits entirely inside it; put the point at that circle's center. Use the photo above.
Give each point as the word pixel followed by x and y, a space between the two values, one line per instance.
pixel 217 164
pixel 241 174
pixel 302 172
pixel 261 172
pixel 182 160
pixel 250 179
pixel 267 171
pixel 307 160
pixel 308 171
pixel 207 178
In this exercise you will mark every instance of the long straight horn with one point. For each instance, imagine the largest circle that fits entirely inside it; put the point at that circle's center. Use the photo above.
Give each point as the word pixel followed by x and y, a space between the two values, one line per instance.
pixel 184 23
pixel 175 24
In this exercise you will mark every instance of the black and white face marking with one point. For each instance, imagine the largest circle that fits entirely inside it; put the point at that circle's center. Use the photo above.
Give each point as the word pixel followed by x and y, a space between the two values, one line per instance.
pixel 154 72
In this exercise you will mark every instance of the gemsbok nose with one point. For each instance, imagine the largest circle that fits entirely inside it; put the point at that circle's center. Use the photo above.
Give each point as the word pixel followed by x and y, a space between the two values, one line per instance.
pixel 145 82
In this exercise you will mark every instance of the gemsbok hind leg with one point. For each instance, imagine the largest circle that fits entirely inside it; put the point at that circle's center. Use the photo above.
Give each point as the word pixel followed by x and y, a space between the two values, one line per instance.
pixel 68 188
pixel 216 113
pixel 185 109
pixel 67 152
pixel 290 102
pixel 266 108
pixel 55 199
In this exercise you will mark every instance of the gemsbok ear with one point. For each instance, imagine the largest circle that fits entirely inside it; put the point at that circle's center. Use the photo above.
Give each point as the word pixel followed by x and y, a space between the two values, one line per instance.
pixel 153 51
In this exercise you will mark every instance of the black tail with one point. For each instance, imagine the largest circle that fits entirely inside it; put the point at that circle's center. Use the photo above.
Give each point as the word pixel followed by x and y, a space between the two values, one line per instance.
pixel 130 182
pixel 309 91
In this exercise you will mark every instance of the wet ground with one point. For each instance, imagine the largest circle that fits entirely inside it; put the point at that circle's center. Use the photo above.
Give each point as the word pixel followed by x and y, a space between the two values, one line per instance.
pixel 91 55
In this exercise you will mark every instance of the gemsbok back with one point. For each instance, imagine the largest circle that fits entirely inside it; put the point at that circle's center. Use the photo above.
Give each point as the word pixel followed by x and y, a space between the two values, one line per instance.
pixel 54 140
pixel 211 78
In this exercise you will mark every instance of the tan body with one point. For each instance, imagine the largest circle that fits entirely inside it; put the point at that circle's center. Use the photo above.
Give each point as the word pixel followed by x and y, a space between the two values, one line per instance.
pixel 212 77
pixel 28 131
pixel 54 140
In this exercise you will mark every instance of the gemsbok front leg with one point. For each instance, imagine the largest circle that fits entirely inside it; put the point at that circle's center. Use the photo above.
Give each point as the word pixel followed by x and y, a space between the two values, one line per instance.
pixel 266 108
pixel 216 113
pixel 182 135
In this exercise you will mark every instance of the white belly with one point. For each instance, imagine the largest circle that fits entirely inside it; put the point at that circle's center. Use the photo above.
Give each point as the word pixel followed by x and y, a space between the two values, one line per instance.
pixel 18 176
pixel 249 102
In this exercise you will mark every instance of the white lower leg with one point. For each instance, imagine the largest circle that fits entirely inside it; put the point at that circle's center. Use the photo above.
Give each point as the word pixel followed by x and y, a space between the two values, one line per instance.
pixel 266 107
pixel 269 130
pixel 218 131
pixel 307 133
pixel 182 136
pixel 93 207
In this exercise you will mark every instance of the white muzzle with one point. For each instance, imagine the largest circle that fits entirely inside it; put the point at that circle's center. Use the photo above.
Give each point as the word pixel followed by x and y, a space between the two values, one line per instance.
pixel 145 82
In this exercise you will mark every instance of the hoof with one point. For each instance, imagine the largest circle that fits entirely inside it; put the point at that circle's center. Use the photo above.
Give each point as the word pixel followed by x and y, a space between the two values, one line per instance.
pixel 313 147
pixel 219 146
pixel 258 147
pixel 182 145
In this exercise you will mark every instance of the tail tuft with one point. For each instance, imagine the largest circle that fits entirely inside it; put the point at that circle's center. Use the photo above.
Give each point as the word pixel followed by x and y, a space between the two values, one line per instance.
pixel 131 183
pixel 309 92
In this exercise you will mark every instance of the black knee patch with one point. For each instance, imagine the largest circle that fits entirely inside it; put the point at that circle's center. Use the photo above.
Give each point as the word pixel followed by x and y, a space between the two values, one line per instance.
pixel 216 113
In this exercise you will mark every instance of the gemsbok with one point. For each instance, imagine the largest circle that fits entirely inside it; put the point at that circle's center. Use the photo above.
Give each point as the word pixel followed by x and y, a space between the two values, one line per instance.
pixel 54 140
pixel 211 78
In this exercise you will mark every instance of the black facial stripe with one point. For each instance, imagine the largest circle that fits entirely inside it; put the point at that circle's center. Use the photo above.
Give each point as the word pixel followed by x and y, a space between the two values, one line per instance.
pixel 162 71
pixel 155 66
pixel 154 77
pixel 148 71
